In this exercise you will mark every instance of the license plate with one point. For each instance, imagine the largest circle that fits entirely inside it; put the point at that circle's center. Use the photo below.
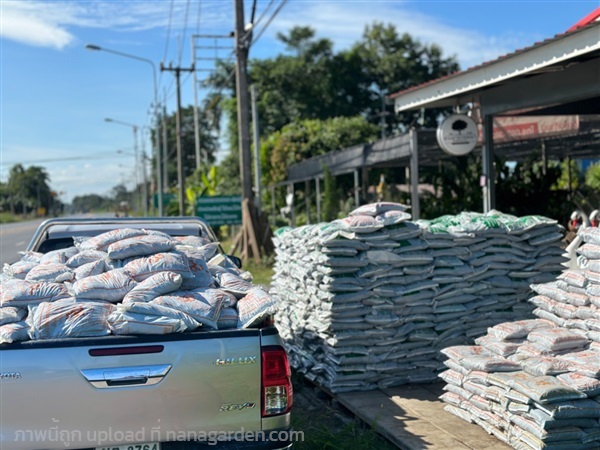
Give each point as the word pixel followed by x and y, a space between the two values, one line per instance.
pixel 146 446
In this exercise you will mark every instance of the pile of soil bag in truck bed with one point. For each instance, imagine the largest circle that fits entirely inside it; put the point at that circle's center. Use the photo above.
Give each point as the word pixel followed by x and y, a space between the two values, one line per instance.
pixel 127 281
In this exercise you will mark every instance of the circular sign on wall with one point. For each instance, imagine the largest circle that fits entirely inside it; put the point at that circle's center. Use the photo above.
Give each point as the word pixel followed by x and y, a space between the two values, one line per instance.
pixel 457 134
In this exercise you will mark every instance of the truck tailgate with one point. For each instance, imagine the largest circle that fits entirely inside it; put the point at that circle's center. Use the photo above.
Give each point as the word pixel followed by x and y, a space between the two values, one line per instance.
pixel 96 392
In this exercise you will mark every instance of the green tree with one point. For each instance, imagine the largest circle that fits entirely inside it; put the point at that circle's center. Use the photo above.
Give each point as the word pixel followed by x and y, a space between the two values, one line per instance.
pixel 391 62
pixel 201 183
pixel 570 178
pixel 304 83
pixel 28 189
pixel 16 188
pixel 37 188
pixel 91 203
pixel 208 142
pixel 592 177
pixel 230 178
pixel 455 187
pixel 330 196
pixel 312 82
pixel 300 140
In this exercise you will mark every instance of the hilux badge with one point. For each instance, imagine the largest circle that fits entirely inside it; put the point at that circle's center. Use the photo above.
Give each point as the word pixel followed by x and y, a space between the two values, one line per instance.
pixel 242 360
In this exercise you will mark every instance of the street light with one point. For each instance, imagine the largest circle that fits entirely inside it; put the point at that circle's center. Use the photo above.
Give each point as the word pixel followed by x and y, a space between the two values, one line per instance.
pixel 93 47
pixel 135 151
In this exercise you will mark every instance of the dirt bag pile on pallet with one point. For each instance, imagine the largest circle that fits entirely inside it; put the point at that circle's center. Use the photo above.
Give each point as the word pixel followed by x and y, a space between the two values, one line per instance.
pixel 127 281
pixel 369 300
pixel 535 384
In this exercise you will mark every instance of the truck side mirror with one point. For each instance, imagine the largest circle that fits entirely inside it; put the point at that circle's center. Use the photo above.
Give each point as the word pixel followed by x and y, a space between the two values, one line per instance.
pixel 237 261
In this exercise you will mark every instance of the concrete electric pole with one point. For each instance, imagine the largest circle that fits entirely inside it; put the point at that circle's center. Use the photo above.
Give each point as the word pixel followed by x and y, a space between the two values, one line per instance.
pixel 180 178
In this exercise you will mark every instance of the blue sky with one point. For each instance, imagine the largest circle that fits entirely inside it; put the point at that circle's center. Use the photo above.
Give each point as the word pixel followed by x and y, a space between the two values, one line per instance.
pixel 55 94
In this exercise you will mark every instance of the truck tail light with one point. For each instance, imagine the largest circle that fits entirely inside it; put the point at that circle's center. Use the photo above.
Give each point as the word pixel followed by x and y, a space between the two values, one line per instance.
pixel 277 391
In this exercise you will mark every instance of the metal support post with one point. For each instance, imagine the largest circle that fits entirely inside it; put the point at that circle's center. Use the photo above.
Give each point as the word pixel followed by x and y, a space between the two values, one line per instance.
pixel 414 175
pixel 489 176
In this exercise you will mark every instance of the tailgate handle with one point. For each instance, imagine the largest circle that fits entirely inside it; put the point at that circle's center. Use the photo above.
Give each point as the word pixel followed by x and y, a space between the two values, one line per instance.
pixel 126 376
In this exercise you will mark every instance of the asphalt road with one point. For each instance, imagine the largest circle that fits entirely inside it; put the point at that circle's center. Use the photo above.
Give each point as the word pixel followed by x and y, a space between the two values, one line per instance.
pixel 14 238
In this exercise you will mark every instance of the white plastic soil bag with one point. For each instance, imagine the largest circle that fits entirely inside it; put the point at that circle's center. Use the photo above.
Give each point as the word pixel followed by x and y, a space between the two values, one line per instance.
pixel 255 307
pixel 67 318
pixel 148 318
pixel 85 257
pixel 20 269
pixel 104 240
pixel 204 305
pixel 140 246
pixel 50 272
pixel 21 293
pixel 11 314
pixel 141 268
pixel 14 332
pixel 154 286
pixel 110 286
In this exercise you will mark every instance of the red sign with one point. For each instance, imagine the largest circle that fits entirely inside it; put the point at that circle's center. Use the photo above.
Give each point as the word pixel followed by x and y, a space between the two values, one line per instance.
pixel 507 129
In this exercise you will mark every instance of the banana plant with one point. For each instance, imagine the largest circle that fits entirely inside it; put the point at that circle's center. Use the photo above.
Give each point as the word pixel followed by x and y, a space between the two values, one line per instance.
pixel 202 183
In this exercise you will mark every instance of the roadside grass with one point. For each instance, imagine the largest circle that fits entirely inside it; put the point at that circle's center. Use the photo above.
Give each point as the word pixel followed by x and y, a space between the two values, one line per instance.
pixel 262 272
pixel 327 427
pixel 6 217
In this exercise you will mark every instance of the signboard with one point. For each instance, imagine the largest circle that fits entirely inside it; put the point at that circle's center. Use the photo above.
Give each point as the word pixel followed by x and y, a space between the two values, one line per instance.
pixel 457 135
pixel 166 199
pixel 220 210
pixel 517 128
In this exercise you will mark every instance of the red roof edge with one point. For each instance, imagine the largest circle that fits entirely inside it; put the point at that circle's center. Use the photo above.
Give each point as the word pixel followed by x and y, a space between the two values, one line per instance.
pixel 591 17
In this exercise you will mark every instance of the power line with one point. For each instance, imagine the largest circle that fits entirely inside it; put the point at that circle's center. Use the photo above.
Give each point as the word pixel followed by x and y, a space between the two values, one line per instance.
pixel 253 12
pixel 199 14
pixel 71 158
pixel 263 13
pixel 255 39
pixel 185 26
pixel 168 35
pixel 255 24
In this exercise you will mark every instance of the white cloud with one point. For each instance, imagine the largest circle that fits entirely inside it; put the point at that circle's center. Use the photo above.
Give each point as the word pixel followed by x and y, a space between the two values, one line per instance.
pixel 50 24
pixel 23 25
pixel 344 23
pixel 80 179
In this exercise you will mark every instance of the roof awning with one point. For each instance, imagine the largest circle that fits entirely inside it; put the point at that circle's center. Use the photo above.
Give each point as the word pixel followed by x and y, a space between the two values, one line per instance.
pixel 573 55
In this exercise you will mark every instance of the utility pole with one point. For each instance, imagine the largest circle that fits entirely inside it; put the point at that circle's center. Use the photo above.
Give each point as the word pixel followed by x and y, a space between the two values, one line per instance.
pixel 165 148
pixel 196 124
pixel 255 135
pixel 201 63
pixel 137 168
pixel 255 236
pixel 180 178
pixel 241 52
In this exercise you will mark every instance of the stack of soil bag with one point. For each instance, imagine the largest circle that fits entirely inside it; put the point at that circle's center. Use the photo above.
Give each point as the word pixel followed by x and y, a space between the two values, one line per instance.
pixel 368 301
pixel 535 384
pixel 127 281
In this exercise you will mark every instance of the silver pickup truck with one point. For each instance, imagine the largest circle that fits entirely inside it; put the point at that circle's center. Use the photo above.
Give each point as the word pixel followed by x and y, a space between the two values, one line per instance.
pixel 194 390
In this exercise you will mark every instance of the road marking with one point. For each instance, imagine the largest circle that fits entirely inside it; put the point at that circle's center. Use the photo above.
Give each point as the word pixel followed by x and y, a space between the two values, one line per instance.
pixel 19 244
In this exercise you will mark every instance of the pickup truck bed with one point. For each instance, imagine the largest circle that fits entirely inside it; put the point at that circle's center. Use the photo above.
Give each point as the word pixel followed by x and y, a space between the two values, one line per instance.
pixel 115 392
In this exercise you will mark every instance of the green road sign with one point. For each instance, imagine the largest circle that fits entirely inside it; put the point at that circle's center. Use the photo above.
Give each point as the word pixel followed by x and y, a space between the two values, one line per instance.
pixel 166 199
pixel 220 210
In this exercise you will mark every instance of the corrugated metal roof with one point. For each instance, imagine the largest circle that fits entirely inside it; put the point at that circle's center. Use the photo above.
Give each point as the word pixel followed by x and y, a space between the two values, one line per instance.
pixel 542 55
